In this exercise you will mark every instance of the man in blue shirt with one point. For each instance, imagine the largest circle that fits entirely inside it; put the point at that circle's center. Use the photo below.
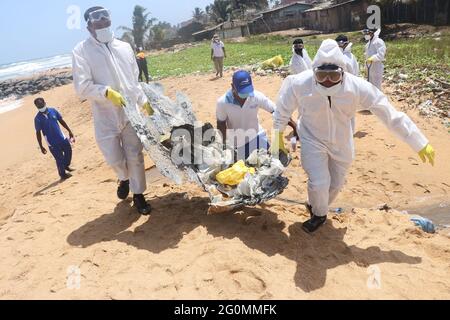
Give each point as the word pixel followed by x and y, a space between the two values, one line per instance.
pixel 47 121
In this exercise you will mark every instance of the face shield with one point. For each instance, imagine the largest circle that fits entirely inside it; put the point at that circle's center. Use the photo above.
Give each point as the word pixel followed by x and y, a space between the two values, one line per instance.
pixel 330 73
pixel 100 14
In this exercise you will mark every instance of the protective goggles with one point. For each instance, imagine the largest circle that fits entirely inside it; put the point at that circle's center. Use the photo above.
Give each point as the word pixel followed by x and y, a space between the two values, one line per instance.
pixel 98 15
pixel 334 76
pixel 367 31
pixel 342 43
pixel 299 46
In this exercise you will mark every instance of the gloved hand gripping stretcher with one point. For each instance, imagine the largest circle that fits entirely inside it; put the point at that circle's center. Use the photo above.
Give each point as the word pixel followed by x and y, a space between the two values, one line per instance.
pixel 185 150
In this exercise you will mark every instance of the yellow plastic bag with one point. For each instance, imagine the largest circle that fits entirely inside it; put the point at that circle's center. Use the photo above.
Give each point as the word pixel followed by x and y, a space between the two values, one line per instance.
pixel 274 62
pixel 234 175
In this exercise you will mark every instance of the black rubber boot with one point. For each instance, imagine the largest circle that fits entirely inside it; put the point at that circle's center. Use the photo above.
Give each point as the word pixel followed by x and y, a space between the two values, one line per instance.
pixel 123 190
pixel 141 204
pixel 69 169
pixel 314 224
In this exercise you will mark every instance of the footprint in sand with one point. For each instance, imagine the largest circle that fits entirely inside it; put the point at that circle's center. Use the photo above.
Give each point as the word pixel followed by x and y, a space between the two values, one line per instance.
pixel 413 161
pixel 247 281
pixel 421 187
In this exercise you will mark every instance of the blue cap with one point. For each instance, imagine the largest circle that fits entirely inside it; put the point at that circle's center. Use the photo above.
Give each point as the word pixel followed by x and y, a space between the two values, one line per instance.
pixel 242 81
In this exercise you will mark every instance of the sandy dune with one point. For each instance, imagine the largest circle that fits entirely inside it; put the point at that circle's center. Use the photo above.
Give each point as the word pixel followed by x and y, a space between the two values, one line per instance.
pixel 182 253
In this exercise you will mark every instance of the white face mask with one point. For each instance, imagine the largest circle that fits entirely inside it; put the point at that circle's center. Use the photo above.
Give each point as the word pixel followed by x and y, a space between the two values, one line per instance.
pixel 104 35
pixel 328 92
pixel 367 37
pixel 43 110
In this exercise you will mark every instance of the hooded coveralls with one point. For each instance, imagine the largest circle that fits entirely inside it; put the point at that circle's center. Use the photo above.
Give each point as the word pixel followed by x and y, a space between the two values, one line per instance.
pixel 352 62
pixel 97 66
pixel 325 125
pixel 376 48
pixel 353 68
pixel 298 63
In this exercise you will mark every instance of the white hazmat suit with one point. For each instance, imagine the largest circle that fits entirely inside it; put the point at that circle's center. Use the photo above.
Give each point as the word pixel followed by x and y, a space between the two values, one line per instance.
pixel 352 62
pixel 298 63
pixel 353 68
pixel 376 49
pixel 97 67
pixel 325 124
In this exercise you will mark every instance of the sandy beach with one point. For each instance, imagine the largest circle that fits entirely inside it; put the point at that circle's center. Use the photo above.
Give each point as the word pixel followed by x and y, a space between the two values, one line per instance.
pixel 180 252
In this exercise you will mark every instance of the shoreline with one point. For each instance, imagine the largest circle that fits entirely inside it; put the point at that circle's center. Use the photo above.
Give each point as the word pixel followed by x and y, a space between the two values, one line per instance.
pixel 20 87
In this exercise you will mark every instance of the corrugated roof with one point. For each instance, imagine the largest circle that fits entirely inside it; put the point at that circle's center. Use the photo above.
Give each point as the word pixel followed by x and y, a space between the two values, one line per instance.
pixel 208 30
pixel 285 6
pixel 329 5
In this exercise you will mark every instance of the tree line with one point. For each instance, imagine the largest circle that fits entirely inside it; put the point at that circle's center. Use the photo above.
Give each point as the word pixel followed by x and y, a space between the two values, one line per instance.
pixel 147 30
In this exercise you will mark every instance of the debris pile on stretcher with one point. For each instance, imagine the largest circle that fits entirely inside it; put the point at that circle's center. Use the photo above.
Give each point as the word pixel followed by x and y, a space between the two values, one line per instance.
pixel 185 150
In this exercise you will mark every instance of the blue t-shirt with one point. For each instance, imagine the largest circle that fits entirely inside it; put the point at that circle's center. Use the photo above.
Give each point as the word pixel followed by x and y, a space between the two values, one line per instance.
pixel 48 124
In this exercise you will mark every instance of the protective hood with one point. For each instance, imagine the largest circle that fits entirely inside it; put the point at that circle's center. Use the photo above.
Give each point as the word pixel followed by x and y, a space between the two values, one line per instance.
pixel 376 35
pixel 348 48
pixel 329 53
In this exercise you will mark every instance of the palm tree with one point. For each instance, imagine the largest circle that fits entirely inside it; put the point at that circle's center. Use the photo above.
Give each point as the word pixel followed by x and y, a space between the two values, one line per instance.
pixel 220 10
pixel 142 24
pixel 198 14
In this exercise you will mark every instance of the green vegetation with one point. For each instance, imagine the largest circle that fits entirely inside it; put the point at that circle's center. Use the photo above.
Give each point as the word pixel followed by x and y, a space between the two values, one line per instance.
pixel 418 58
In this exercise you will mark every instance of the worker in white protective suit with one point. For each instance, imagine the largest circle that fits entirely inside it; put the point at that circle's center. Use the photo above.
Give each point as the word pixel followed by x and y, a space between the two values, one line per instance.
pixel 375 56
pixel 106 73
pixel 352 64
pixel 327 98
pixel 351 61
pixel 300 60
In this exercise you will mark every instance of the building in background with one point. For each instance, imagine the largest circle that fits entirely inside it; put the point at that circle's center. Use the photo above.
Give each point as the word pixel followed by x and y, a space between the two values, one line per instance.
pixel 283 17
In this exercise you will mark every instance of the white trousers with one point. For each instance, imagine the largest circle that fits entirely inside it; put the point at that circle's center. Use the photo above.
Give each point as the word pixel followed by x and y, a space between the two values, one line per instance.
pixel 123 152
pixel 376 72
pixel 326 177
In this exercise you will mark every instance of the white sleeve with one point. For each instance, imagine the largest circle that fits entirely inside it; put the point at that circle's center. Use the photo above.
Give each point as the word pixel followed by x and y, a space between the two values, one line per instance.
pixel 221 115
pixel 267 104
pixel 293 67
pixel 356 69
pixel 141 97
pixel 82 79
pixel 286 105
pixel 371 98
pixel 307 59
pixel 297 66
pixel 381 51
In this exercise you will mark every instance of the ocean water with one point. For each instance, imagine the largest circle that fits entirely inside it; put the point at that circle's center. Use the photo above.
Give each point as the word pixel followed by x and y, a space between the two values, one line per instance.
pixel 10 104
pixel 27 69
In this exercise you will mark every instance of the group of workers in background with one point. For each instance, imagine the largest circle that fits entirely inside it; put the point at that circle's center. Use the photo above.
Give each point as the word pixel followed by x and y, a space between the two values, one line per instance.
pixel 326 91
pixel 375 54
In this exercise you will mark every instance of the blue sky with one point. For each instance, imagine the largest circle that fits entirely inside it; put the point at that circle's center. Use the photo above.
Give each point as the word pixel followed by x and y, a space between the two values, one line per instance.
pixel 32 29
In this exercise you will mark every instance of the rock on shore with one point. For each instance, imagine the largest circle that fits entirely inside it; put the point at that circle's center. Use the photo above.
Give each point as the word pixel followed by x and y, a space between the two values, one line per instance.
pixel 20 88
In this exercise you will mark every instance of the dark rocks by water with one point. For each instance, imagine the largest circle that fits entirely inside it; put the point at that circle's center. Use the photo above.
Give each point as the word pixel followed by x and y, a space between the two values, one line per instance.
pixel 19 88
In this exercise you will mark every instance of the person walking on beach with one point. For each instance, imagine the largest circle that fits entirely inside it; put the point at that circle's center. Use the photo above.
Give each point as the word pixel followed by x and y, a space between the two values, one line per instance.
pixel 106 73
pixel 300 60
pixel 143 65
pixel 375 55
pixel 237 116
pixel 346 47
pixel 218 54
pixel 352 63
pixel 327 98
pixel 47 122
